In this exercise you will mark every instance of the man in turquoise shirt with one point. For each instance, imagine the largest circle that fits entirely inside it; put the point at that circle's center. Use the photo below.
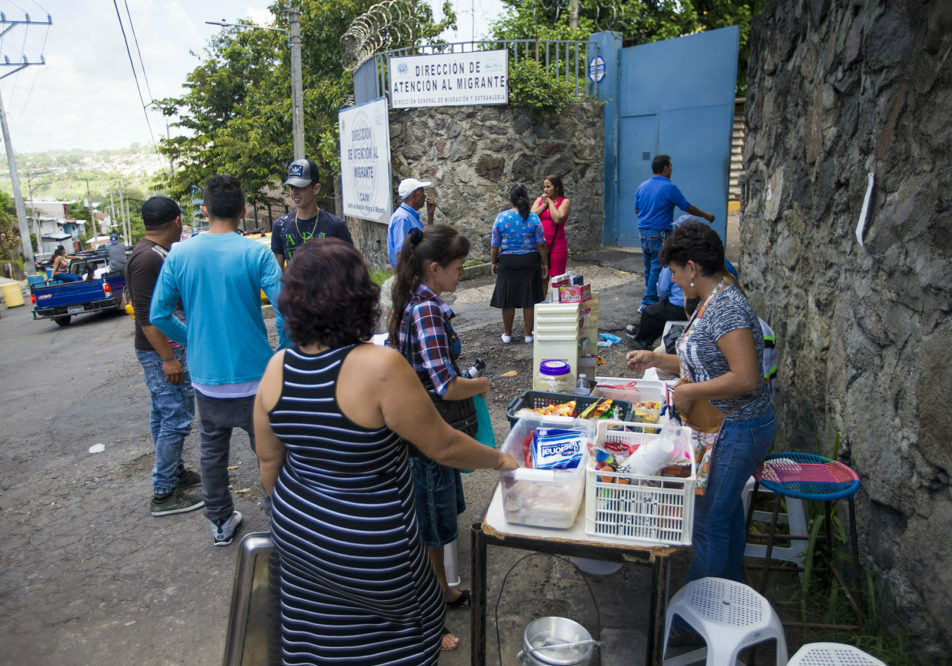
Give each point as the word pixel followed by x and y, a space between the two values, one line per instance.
pixel 218 276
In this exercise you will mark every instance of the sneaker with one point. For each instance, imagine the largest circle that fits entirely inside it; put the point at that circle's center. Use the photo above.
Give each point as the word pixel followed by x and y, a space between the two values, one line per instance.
pixel 189 479
pixel 630 330
pixel 641 309
pixel 180 501
pixel 506 339
pixel 529 339
pixel 223 531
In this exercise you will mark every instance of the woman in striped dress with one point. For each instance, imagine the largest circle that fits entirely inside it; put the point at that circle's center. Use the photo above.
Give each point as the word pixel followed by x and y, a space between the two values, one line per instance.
pixel 356 583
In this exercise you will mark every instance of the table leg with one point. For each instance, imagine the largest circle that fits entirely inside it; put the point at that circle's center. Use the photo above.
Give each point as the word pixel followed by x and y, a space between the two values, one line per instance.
pixel 660 571
pixel 770 540
pixel 854 547
pixel 478 573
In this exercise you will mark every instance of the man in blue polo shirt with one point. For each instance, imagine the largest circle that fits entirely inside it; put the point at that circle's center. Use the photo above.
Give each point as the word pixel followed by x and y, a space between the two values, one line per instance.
pixel 655 200
pixel 407 216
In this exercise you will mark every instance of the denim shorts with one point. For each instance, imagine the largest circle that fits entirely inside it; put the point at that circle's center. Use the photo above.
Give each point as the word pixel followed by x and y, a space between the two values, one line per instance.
pixel 438 495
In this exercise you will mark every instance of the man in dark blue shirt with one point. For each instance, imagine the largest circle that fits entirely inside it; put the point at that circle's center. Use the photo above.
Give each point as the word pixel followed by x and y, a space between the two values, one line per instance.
pixel 307 221
pixel 655 200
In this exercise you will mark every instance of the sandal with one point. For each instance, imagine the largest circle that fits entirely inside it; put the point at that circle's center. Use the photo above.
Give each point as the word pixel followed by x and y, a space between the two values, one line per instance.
pixel 464 600
pixel 448 634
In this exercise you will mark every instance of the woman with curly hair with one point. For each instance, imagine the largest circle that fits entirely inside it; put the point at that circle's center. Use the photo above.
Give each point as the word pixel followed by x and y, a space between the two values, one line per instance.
pixel 331 418
pixel 431 263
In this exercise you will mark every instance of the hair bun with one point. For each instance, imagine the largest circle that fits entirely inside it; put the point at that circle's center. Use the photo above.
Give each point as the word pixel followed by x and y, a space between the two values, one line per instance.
pixel 415 236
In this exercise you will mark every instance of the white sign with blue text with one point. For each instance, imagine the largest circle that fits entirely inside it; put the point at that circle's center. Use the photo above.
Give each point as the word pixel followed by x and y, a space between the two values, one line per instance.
pixel 365 161
pixel 449 79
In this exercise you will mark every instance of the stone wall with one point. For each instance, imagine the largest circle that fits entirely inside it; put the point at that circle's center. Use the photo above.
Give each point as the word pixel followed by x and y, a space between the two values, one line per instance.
pixel 839 89
pixel 474 155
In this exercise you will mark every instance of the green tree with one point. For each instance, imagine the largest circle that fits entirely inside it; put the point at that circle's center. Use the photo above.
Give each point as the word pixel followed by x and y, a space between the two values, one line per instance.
pixel 638 21
pixel 9 229
pixel 236 112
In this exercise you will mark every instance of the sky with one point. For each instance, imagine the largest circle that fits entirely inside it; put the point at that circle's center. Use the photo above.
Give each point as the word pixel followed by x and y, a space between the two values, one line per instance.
pixel 85 96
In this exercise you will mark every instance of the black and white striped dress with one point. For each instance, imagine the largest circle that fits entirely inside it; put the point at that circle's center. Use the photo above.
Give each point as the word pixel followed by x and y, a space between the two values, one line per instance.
pixel 357 586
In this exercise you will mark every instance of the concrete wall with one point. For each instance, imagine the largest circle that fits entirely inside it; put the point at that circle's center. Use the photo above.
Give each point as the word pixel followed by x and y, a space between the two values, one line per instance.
pixel 474 155
pixel 839 89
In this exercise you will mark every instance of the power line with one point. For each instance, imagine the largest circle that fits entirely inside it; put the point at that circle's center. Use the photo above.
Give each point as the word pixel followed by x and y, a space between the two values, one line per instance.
pixel 139 51
pixel 135 75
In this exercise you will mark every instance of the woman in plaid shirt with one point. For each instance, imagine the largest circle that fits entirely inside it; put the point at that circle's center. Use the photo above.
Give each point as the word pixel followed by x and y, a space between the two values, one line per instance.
pixel 431 263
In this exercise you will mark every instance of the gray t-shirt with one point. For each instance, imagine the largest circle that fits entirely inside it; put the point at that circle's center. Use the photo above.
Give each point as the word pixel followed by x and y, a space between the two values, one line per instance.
pixel 728 311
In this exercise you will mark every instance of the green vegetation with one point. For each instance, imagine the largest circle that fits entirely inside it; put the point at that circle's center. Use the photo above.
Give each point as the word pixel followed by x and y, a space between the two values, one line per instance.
pixel 531 87
pixel 237 111
pixel 638 21
pixel 9 230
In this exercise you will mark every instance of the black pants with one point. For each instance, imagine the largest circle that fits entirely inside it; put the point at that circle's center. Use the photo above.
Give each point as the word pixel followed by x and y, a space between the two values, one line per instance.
pixel 653 320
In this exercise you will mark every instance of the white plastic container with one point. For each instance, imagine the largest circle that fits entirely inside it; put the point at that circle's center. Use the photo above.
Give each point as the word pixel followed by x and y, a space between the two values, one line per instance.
pixel 543 497
pixel 645 391
pixel 651 509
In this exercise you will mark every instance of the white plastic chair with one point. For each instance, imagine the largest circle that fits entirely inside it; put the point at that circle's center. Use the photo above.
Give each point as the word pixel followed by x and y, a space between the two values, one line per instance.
pixel 832 654
pixel 729 616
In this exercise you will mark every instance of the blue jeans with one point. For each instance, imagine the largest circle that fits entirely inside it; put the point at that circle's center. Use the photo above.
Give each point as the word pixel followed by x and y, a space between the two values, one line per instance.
pixel 438 497
pixel 719 520
pixel 173 408
pixel 651 242
pixel 218 417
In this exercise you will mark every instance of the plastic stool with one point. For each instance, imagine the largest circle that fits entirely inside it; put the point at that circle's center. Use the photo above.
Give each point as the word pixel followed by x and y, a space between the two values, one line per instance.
pixel 832 654
pixel 729 616
pixel 795 519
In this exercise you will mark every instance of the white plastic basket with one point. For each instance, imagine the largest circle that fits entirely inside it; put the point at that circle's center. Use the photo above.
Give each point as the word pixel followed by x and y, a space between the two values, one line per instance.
pixel 647 509
pixel 543 497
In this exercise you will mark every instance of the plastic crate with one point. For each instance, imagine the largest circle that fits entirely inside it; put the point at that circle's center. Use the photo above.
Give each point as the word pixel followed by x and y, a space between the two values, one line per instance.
pixel 535 399
pixel 647 509
pixel 543 497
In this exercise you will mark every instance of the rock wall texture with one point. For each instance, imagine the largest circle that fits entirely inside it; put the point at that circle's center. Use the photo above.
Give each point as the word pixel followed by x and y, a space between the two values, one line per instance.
pixel 839 89
pixel 474 155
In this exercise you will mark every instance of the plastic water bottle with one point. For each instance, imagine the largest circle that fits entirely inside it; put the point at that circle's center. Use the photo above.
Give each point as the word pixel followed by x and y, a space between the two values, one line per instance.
pixel 476 370
pixel 581 388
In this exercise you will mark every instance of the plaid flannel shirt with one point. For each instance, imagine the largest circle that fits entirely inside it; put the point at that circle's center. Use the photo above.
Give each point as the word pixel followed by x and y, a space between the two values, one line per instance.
pixel 432 337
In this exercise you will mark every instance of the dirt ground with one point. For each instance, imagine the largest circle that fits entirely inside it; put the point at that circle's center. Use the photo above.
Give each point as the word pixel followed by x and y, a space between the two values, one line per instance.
pixel 89 577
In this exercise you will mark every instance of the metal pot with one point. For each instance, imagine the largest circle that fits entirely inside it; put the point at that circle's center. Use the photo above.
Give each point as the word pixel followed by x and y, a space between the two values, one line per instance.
pixel 556 641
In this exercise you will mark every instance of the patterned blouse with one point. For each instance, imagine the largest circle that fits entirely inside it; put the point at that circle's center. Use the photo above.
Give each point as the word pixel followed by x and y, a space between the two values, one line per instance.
pixel 513 235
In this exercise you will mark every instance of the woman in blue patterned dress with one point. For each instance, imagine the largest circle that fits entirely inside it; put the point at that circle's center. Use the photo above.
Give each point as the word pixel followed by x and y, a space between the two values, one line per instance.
pixel 356 583
pixel 520 262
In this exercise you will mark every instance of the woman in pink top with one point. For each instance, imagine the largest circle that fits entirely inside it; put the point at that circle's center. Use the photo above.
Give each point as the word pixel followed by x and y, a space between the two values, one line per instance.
pixel 553 209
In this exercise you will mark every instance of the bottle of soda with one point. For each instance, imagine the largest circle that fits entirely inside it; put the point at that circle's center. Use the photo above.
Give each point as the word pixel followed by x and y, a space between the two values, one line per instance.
pixel 476 370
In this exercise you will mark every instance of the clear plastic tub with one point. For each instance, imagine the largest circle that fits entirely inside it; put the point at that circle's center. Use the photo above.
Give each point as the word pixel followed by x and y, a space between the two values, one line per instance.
pixel 648 397
pixel 542 497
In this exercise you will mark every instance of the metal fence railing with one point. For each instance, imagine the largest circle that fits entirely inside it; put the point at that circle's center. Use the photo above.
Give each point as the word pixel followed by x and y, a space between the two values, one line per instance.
pixel 566 59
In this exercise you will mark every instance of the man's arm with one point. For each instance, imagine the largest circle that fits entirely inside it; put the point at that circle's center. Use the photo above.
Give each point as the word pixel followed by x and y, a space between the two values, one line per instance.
pixel 271 274
pixel 694 210
pixel 164 299
pixel 277 244
pixel 141 277
pixel 430 209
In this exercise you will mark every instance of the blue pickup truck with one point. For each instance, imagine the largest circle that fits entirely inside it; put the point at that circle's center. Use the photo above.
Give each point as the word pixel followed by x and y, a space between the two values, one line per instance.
pixel 59 300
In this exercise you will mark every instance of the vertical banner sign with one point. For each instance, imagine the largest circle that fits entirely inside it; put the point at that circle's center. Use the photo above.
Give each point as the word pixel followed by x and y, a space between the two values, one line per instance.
pixel 365 161
pixel 450 79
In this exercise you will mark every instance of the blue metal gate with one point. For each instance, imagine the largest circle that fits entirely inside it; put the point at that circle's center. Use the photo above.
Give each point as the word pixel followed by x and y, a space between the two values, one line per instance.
pixel 674 97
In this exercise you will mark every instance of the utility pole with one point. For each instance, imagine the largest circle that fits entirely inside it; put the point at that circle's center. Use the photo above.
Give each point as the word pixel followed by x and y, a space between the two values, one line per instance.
pixel 89 204
pixel 573 13
pixel 297 85
pixel 8 25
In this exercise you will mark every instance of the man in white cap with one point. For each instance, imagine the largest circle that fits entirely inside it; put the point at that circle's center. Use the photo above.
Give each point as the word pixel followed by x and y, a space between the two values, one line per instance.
pixel 307 221
pixel 407 216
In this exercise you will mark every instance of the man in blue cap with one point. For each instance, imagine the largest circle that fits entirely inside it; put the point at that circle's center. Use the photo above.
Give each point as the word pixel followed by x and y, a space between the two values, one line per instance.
pixel 116 252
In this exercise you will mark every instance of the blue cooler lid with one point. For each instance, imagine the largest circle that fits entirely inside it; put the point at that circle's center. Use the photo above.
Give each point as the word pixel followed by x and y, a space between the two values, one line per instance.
pixel 555 368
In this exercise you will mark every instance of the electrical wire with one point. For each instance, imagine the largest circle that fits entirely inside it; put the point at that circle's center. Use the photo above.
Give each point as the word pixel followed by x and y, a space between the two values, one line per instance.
pixel 135 75
pixel 135 39
pixel 598 617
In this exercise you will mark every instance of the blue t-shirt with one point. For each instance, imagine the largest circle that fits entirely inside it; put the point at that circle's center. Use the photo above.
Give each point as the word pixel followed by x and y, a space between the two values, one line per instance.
pixel 655 200
pixel 514 235
pixel 219 278
pixel 404 219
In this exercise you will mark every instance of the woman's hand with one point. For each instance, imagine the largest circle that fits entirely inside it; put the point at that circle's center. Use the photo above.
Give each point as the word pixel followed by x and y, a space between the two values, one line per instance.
pixel 493 269
pixel 506 463
pixel 545 271
pixel 682 400
pixel 640 360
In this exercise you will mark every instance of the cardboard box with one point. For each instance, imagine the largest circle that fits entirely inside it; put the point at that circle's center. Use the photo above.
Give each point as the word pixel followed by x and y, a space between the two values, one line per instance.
pixel 574 293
